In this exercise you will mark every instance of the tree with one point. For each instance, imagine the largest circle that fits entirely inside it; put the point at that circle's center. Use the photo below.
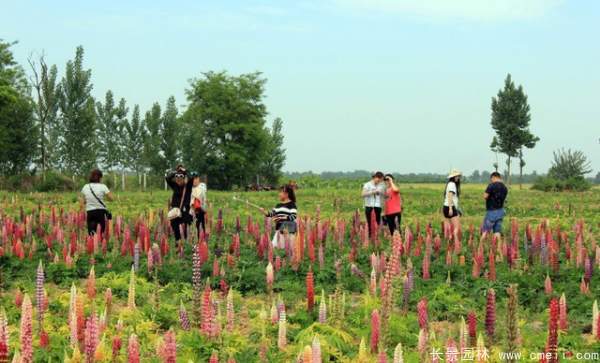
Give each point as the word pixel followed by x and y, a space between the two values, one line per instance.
pixel 274 155
pixel 597 178
pixel 229 113
pixel 475 177
pixel 134 135
pixel 78 117
pixel 510 120
pixel 569 164
pixel 169 140
pixel 153 159
pixel 495 150
pixel 44 82
pixel 17 127
pixel 107 132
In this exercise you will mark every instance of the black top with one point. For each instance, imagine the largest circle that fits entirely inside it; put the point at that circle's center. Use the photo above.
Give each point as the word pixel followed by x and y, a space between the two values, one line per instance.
pixel 497 193
pixel 286 211
pixel 178 192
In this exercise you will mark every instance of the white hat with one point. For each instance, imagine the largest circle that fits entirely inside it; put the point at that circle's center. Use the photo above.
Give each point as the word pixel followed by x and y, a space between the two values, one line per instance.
pixel 453 173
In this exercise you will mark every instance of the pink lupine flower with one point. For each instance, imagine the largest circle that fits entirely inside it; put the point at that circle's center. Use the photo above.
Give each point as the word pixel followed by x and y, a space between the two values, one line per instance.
pixel 552 343
pixel 310 290
pixel 322 309
pixel 207 313
pixel 91 284
pixel 548 285
pixel 214 358
pixel 562 320
pixel 91 338
pixel 422 314
pixel 490 313
pixel 270 276
pixel 39 293
pixel 133 350
pixel 26 331
pixel 316 350
pixel 282 333
pixel 230 311
pixel 168 351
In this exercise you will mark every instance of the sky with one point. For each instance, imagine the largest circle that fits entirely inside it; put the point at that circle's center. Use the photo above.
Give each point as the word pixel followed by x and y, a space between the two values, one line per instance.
pixel 395 85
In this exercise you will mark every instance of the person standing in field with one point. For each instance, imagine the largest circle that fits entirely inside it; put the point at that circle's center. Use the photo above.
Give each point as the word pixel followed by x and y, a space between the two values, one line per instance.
pixel 284 214
pixel 179 213
pixel 494 195
pixel 93 195
pixel 393 204
pixel 198 202
pixel 373 193
pixel 451 207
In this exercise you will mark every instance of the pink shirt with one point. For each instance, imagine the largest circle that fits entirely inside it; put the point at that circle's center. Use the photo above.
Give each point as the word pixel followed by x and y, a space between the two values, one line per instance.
pixel 393 202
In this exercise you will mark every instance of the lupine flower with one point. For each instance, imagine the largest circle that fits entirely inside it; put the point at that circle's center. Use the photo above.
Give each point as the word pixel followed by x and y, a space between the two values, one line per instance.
pixel 39 293
pixel 307 354
pixel 3 336
pixel 322 309
pixel 26 331
pixel 548 285
pixel 373 282
pixel 422 342
pixel 310 290
pixel 108 300
pixel 214 358
pixel 116 347
pixel 133 350
pixel 362 351
pixel 316 350
pixel 282 333
pixel 472 324
pixel 168 349
pixel 207 312
pixel 422 313
pixel 131 294
pixel 552 343
pixel 398 354
pixel 490 314
pixel 512 319
pixel 91 284
pixel 375 330
pixel 91 337
pixel 270 277
pixel 562 320
pixel 452 352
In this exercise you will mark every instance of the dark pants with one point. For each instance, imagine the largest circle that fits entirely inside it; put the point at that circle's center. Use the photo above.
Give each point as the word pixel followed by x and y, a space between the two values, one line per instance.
pixel 368 211
pixel 95 218
pixel 200 220
pixel 391 221
pixel 175 223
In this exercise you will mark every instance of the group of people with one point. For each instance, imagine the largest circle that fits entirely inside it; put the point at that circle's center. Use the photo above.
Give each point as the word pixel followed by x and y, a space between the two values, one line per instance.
pixel 382 202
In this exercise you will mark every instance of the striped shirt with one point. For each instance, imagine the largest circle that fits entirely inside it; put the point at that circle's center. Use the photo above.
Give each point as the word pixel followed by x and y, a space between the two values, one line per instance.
pixel 284 211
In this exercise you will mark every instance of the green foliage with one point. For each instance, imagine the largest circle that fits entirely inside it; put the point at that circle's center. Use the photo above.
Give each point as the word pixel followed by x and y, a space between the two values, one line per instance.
pixel 569 164
pixel 225 121
pixel 510 120
pixel 78 140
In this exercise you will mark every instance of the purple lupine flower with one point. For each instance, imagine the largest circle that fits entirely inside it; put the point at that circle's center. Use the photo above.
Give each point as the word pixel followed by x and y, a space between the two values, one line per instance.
pixel 184 320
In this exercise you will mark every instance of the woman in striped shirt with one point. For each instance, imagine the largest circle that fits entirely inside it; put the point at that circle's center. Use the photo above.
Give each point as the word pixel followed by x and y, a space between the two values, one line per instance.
pixel 285 213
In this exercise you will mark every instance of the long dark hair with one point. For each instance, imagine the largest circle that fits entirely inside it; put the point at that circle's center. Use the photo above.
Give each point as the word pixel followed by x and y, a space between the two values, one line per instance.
pixel 290 192
pixel 455 180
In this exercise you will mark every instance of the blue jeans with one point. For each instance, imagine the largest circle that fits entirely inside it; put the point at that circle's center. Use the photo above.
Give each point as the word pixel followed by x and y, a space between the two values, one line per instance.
pixel 493 220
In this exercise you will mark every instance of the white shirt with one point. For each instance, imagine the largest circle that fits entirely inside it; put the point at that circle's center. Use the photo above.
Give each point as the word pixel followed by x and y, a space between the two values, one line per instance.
pixel 451 187
pixel 374 200
pixel 199 193
pixel 91 203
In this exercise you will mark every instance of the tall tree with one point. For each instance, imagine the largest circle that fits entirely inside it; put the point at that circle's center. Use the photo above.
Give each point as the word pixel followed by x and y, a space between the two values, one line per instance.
pixel 17 127
pixel 77 144
pixel 510 120
pixel 106 126
pixel 44 82
pixel 274 159
pixel 169 132
pixel 230 114
pixel 152 156
pixel 135 135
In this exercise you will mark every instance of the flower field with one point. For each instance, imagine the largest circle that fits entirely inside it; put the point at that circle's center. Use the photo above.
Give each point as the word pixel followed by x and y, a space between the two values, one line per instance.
pixel 337 294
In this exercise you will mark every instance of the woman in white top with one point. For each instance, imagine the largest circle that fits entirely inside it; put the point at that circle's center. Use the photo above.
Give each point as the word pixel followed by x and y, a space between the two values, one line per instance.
pixel 198 203
pixel 451 208
pixel 94 193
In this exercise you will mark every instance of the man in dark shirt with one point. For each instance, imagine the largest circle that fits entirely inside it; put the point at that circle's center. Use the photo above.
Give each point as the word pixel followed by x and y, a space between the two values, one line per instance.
pixel 495 195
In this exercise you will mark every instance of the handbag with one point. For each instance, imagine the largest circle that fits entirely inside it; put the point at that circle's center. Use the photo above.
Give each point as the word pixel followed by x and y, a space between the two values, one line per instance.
pixel 176 211
pixel 107 213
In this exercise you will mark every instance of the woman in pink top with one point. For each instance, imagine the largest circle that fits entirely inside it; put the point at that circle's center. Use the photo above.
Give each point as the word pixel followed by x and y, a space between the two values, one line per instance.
pixel 393 204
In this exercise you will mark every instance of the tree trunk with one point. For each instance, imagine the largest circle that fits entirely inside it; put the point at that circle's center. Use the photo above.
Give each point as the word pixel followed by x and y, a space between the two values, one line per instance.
pixel 123 180
pixel 521 174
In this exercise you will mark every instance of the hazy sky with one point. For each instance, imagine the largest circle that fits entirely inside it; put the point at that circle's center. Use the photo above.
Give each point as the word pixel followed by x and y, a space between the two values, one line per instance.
pixel 394 85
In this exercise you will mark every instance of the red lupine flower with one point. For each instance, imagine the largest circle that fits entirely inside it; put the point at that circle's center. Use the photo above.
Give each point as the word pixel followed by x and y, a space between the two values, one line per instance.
pixel 472 324
pixel 562 321
pixel 91 337
pixel 207 313
pixel 310 290
pixel 214 358
pixel 375 330
pixel 116 347
pixel 552 344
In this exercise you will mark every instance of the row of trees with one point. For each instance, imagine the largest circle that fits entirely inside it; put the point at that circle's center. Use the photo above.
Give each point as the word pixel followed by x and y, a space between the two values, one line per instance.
pixel 52 123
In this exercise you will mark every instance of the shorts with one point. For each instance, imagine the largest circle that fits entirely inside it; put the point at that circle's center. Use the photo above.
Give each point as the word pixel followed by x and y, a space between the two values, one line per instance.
pixel 455 212
pixel 493 220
